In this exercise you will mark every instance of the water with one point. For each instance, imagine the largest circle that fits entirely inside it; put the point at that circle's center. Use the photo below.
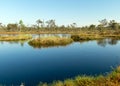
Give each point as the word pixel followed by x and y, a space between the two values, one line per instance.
pixel 49 35
pixel 22 63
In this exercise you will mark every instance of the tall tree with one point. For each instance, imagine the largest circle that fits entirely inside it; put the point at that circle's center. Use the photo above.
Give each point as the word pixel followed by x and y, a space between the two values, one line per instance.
pixel 73 25
pixel 114 25
pixel 111 22
pixel 51 23
pixel 12 27
pixel 0 24
pixel 103 22
pixel 39 22
pixel 22 26
pixel 92 27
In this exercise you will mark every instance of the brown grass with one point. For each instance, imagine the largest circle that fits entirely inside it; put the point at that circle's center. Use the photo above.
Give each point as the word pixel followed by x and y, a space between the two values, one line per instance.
pixel 50 41
pixel 15 38
pixel 112 79
pixel 86 36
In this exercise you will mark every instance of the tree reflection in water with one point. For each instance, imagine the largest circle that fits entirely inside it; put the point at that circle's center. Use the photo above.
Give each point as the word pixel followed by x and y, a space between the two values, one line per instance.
pixel 105 42
pixel 102 42
pixel 21 42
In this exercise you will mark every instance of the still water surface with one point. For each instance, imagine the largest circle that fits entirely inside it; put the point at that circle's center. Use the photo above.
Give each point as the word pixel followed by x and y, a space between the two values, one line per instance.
pixel 20 62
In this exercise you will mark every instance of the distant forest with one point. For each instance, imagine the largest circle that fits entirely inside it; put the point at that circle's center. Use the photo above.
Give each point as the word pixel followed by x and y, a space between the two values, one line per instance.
pixel 50 25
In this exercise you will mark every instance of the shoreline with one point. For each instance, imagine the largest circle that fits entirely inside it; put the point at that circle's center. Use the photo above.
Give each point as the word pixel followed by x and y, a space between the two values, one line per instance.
pixel 111 79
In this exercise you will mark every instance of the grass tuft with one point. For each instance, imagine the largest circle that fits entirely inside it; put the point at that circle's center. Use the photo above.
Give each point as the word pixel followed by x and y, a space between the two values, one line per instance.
pixel 50 41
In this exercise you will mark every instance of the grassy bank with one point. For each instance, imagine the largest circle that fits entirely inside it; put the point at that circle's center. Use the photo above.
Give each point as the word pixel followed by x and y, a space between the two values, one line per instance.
pixel 85 37
pixel 80 37
pixel 112 79
pixel 65 31
pixel 50 41
pixel 15 38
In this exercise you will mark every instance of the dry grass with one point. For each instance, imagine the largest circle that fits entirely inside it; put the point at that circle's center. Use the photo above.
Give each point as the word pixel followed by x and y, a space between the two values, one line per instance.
pixel 93 36
pixel 80 37
pixel 15 38
pixel 50 41
pixel 112 79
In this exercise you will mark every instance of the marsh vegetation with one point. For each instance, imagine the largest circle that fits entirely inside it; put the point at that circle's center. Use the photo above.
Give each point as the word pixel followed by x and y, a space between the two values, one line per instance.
pixel 85 37
pixel 16 38
pixel 103 28
pixel 107 32
pixel 111 79
pixel 50 41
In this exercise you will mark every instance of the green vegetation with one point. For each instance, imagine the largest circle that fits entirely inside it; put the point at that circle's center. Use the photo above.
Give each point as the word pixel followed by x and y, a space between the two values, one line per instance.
pixel 15 38
pixel 50 41
pixel 105 29
pixel 86 37
pixel 112 79
pixel 49 26
pixel 95 36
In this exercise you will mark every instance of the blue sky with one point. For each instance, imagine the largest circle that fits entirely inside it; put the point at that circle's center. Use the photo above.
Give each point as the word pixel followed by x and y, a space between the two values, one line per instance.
pixel 83 12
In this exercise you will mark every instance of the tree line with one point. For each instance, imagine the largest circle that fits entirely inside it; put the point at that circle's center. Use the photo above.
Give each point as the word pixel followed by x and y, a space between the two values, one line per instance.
pixel 51 25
